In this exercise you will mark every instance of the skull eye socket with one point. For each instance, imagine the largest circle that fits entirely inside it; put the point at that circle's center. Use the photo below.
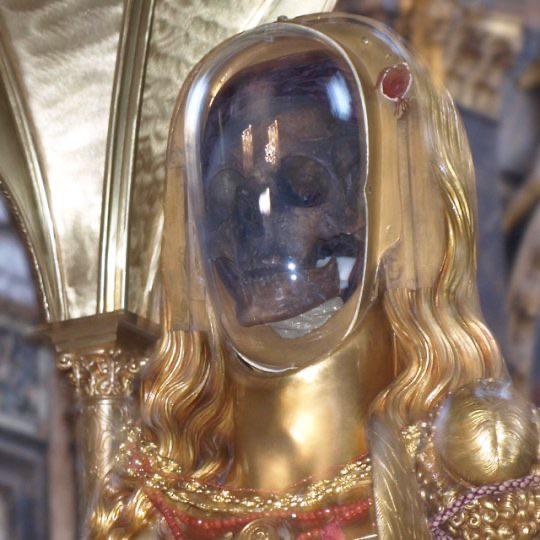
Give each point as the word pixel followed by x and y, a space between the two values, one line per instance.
pixel 221 194
pixel 304 181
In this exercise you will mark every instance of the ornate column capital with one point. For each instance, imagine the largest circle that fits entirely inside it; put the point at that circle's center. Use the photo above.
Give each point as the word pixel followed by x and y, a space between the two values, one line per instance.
pixel 102 373
pixel 103 353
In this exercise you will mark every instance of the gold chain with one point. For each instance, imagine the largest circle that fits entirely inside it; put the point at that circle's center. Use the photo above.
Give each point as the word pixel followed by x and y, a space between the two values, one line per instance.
pixel 156 472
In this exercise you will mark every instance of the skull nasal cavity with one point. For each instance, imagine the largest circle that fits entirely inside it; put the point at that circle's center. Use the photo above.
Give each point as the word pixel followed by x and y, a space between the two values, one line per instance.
pixel 248 215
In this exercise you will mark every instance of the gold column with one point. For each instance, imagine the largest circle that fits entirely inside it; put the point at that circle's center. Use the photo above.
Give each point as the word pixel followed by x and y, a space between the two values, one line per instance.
pixel 102 356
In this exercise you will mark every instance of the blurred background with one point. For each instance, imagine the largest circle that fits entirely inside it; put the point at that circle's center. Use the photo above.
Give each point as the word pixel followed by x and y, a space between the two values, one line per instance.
pixel 487 53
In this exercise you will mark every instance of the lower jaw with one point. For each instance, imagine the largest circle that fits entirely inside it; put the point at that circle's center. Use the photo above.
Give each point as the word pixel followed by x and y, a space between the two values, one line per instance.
pixel 282 297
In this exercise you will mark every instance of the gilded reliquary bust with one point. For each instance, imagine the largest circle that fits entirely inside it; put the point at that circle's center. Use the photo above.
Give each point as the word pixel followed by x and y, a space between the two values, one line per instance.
pixel 324 370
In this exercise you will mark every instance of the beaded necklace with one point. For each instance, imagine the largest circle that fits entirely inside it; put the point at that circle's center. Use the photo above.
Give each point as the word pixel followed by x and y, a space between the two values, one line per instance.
pixel 314 508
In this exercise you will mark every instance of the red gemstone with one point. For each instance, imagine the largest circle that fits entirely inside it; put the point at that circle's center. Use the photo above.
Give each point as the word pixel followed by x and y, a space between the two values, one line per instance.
pixel 395 82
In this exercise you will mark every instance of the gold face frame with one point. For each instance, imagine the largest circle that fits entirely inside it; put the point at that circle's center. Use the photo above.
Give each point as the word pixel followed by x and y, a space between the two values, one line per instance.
pixel 400 207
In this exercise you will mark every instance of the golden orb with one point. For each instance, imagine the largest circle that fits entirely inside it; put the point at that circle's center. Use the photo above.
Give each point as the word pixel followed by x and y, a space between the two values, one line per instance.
pixel 486 433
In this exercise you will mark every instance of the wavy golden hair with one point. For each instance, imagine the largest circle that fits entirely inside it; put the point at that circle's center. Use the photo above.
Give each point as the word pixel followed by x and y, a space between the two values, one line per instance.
pixel 440 339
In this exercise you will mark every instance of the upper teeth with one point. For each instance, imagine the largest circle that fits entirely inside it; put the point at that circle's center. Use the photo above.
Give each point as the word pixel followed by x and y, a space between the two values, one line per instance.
pixel 345 266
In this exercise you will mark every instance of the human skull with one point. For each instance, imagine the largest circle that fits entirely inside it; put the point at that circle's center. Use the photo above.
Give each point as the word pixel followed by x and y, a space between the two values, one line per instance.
pixel 283 160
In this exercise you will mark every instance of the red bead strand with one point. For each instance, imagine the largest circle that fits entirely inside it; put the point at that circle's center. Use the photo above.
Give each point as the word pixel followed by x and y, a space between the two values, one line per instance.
pixel 209 528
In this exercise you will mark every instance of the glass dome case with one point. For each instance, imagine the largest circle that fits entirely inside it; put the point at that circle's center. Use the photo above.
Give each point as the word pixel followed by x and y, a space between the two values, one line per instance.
pixel 276 172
